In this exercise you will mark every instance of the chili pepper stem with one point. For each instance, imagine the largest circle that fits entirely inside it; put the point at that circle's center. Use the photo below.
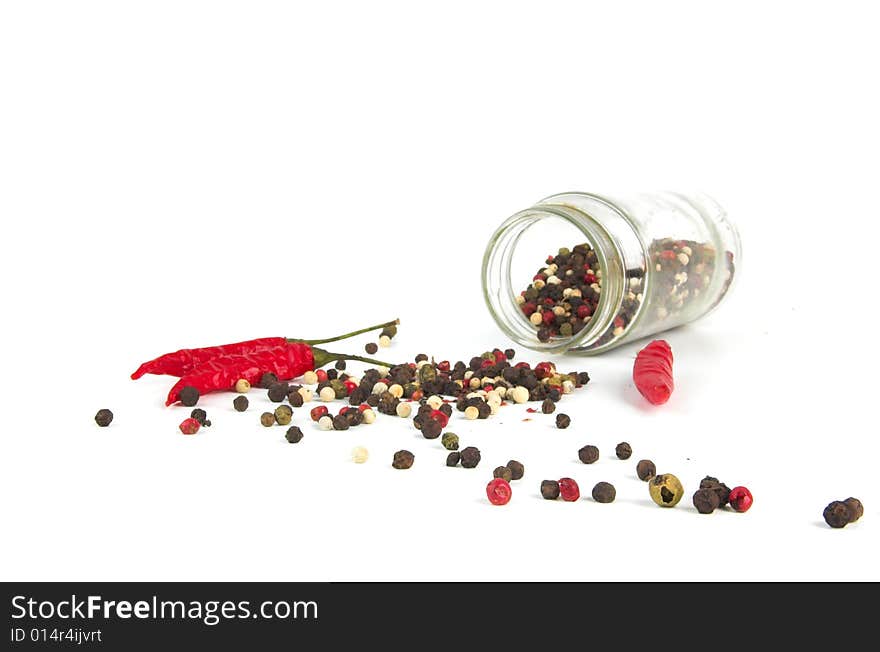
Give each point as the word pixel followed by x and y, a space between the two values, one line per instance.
pixel 323 357
pixel 347 335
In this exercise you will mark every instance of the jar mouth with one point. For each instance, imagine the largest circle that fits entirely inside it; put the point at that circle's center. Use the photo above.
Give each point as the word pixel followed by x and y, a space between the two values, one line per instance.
pixel 501 295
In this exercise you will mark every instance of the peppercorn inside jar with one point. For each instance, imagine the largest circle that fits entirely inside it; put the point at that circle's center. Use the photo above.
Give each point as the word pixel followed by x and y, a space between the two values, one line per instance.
pixel 586 273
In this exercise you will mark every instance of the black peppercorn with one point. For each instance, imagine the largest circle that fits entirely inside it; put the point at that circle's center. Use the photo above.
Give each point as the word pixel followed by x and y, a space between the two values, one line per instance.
pixel 295 398
pixel 403 459
pixel 372 348
pixel 278 392
pixel 267 380
pixel 855 507
pixel 549 489
pixel 103 418
pixel 189 396
pixel 837 514
pixel 470 457
pixel 372 400
pixel 563 421
pixel 706 500
pixel 548 406
pixel 207 423
pixel 604 492
pixel 718 487
pixel 509 353
pixel 340 365
pixel 240 403
pixel 430 428
pixel 199 415
pixel 267 419
pixel 517 470
pixel 646 470
pixel 623 450
pixel 588 454
pixel 294 435
pixel 453 458
pixel 502 472
pixel 446 409
pixel 332 374
pixel 340 422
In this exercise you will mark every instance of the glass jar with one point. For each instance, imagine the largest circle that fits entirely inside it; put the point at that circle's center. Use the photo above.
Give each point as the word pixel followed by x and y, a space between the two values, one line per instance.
pixel 622 268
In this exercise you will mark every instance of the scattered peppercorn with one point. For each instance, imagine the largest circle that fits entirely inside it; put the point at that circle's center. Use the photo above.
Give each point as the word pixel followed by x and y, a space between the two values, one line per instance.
pixel 294 435
pixel 295 398
pixel 604 492
pixel 267 419
pixel 372 348
pixel 104 417
pixel 403 459
pixel 498 491
pixel 502 472
pixel 283 415
pixel 665 490
pixel 325 422
pixel 340 365
pixel 470 457
pixel 340 422
pixel 449 441
pixel 706 500
pixel 718 487
pixel 563 421
pixel 646 470
pixel 189 426
pixel 740 499
pixel 837 514
pixel 588 454
pixel 431 429
pixel 267 380
pixel 855 507
pixel 240 403
pixel 548 406
pixel 569 490
pixel 549 489
pixel 242 386
pixel 453 458
pixel 384 341
pixel 278 392
pixel 188 396
pixel 199 415
pixel 517 470
pixel 623 450
pixel 359 454
pixel 207 423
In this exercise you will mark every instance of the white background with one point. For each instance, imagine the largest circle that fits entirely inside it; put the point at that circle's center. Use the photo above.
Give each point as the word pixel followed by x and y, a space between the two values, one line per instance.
pixel 181 174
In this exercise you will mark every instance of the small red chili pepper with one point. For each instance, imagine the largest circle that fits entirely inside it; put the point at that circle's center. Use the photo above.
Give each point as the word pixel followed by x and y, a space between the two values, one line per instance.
pixel 286 362
pixel 652 372
pixel 183 361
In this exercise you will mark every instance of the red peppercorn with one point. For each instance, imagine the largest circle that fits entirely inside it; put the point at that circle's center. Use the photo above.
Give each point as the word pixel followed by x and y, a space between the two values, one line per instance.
pixel 439 417
pixel 667 254
pixel 417 395
pixel 499 491
pixel 589 279
pixel 189 426
pixel 740 499
pixel 543 370
pixel 522 365
pixel 343 409
pixel 618 322
pixel 486 363
pixel 350 386
pixel 444 365
pixel 584 310
pixel 569 489
pixel 528 308
pixel 499 356
pixel 549 302
pixel 539 277
pixel 548 317
pixel 322 375
pixel 363 406
pixel 318 412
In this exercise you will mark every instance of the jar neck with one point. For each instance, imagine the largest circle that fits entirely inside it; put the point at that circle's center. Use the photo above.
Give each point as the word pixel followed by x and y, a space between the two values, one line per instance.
pixel 500 293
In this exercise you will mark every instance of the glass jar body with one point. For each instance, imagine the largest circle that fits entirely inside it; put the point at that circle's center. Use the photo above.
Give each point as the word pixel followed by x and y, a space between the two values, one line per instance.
pixel 656 261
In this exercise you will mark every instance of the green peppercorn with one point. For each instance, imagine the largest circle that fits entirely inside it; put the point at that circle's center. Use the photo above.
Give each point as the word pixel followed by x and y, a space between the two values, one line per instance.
pixel 665 490
pixel 103 418
pixel 267 419
pixel 449 441
pixel 283 415
pixel 427 374
pixel 338 388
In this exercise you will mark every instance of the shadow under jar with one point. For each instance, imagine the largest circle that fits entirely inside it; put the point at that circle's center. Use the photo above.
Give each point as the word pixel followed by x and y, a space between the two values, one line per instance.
pixel 641 264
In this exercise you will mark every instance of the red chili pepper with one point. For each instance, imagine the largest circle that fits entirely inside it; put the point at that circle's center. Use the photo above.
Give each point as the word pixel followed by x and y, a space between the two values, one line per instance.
pixel 184 361
pixel 288 361
pixel 652 372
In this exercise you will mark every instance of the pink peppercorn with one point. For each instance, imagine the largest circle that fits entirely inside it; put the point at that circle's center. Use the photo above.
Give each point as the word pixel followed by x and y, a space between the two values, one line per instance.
pixel 569 489
pixel 440 418
pixel 499 491
pixel 740 499
pixel 189 426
